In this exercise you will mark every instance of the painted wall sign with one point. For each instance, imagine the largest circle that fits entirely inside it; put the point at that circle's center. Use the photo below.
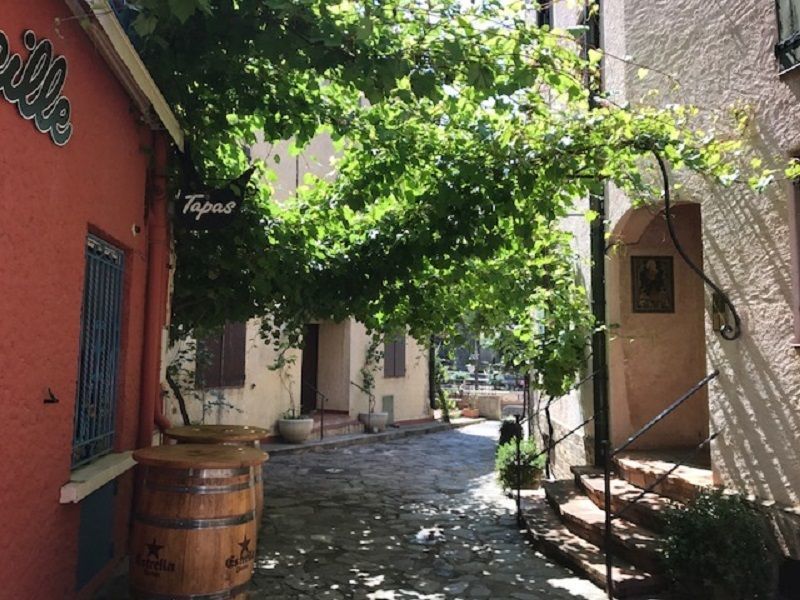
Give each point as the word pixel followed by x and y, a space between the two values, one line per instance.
pixel 35 84
pixel 211 209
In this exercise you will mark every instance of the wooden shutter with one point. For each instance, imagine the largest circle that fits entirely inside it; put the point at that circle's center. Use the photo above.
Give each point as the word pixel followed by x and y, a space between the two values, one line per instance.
pixel 394 360
pixel 388 358
pixel 210 359
pixel 233 355
pixel 400 357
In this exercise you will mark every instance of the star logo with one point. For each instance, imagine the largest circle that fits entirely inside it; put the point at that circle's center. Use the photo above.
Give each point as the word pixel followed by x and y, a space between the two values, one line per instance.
pixel 245 547
pixel 153 549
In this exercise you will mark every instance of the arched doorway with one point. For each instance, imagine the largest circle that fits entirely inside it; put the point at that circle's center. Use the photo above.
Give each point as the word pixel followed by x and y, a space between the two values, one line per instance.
pixel 657 337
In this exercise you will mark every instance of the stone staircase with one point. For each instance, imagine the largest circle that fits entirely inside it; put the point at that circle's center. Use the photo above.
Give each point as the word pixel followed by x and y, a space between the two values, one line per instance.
pixel 567 522
pixel 335 424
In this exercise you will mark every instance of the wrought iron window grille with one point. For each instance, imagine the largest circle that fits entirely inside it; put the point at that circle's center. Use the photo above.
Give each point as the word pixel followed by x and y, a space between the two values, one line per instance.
pixel 101 326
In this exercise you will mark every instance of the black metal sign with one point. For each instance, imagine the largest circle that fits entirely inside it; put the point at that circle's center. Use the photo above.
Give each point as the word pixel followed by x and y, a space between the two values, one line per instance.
pixel 35 84
pixel 211 209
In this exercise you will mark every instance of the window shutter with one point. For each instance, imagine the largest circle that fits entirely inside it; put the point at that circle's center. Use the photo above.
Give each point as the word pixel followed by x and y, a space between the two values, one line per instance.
pixel 233 354
pixel 400 357
pixel 394 360
pixel 210 357
pixel 388 359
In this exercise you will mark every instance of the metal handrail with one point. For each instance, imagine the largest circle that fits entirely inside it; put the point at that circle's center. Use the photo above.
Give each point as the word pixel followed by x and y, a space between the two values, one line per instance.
pixel 671 408
pixel 608 456
pixel 324 398
pixel 681 462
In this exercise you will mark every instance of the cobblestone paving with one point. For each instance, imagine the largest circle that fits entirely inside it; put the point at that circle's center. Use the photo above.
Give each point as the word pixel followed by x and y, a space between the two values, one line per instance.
pixel 346 523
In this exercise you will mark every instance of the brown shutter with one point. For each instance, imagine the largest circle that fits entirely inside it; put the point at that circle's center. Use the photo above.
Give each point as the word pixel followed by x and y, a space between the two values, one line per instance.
pixel 400 357
pixel 394 361
pixel 233 354
pixel 388 358
pixel 209 357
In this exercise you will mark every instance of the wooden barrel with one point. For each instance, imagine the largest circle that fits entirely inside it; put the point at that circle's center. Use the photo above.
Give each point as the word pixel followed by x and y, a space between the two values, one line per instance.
pixel 230 435
pixel 194 527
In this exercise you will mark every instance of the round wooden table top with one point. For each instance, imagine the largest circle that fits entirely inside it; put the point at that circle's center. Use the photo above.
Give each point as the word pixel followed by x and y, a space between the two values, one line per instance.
pixel 200 456
pixel 216 434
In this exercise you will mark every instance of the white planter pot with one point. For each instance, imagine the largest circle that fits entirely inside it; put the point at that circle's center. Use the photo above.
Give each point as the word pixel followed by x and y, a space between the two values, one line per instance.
pixel 374 422
pixel 295 431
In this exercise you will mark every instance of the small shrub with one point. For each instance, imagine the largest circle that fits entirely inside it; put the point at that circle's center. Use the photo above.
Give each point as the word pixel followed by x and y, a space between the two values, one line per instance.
pixel 530 465
pixel 717 549
pixel 509 429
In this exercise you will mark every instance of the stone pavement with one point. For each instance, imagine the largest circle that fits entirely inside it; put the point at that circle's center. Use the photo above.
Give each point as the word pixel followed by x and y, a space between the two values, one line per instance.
pixel 417 517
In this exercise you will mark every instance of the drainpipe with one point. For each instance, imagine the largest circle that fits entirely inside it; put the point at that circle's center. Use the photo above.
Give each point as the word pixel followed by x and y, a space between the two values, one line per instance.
pixel 599 351
pixel 597 203
pixel 156 299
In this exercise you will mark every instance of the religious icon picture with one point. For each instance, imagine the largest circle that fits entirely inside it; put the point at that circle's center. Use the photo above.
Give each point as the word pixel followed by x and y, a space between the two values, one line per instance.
pixel 653 284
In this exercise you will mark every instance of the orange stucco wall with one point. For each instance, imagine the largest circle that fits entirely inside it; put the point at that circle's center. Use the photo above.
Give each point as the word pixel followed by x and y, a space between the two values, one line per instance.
pixel 50 198
pixel 654 358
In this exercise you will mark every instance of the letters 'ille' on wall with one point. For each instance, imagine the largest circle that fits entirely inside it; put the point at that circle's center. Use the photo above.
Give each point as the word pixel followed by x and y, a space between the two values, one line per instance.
pixel 35 84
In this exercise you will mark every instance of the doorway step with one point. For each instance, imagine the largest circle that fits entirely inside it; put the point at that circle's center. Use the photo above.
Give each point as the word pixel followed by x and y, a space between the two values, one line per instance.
pixel 336 423
pixel 567 522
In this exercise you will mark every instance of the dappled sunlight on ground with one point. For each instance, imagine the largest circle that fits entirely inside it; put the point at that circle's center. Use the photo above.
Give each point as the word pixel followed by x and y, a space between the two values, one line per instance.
pixel 414 518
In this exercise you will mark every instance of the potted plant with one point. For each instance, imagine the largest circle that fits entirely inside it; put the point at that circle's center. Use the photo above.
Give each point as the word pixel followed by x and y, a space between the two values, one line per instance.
pixel 531 465
pixel 293 426
pixel 374 422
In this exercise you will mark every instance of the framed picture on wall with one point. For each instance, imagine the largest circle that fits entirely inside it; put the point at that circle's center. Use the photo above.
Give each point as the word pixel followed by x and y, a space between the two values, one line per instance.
pixel 653 284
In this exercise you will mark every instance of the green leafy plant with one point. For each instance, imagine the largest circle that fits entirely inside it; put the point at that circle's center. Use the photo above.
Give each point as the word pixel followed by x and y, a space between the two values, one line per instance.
pixel 717 549
pixel 530 469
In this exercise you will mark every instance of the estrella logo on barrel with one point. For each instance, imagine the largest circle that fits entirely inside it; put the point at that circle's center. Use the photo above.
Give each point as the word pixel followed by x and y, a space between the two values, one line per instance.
pixel 153 564
pixel 246 556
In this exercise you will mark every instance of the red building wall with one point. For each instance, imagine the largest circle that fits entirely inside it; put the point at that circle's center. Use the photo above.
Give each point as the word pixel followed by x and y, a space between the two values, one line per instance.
pixel 50 198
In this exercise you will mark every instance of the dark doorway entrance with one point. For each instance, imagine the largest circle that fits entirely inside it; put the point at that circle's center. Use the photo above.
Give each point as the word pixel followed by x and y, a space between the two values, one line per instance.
pixel 309 369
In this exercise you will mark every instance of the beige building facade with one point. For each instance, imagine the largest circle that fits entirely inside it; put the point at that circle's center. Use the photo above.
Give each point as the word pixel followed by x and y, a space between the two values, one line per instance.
pixel 721 58
pixel 327 372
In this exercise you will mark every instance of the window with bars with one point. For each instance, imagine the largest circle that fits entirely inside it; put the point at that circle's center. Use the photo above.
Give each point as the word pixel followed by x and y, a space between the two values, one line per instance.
pixel 221 357
pixel 788 47
pixel 394 357
pixel 101 325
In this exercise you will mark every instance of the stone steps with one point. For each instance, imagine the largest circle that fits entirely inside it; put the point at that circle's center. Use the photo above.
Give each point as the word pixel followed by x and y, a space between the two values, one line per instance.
pixel 336 424
pixel 630 541
pixel 643 468
pixel 556 540
pixel 648 511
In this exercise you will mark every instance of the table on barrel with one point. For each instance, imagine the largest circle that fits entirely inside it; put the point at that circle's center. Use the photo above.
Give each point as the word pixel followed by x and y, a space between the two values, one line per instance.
pixel 225 434
pixel 194 528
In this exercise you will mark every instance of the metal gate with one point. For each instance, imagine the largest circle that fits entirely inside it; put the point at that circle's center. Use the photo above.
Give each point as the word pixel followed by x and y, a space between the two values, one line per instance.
pixel 99 352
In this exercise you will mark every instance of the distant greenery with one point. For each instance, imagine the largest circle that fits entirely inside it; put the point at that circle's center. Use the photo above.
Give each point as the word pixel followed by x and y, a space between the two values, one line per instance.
pixel 717 548
pixel 531 466
pixel 465 132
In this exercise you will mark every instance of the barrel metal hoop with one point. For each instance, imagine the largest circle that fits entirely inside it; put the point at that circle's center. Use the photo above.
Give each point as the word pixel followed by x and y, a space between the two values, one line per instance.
pixel 198 489
pixel 168 523
pixel 201 473
pixel 221 595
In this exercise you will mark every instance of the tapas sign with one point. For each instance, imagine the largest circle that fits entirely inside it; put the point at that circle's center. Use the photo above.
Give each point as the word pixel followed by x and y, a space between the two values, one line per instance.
pixel 211 209
pixel 35 84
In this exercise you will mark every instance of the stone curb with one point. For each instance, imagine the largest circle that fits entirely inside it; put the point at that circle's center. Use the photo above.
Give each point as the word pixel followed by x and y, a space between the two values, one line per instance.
pixel 359 439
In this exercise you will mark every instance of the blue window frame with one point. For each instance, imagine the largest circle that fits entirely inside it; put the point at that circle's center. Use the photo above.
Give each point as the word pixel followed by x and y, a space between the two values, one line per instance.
pixel 101 324
pixel 788 47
